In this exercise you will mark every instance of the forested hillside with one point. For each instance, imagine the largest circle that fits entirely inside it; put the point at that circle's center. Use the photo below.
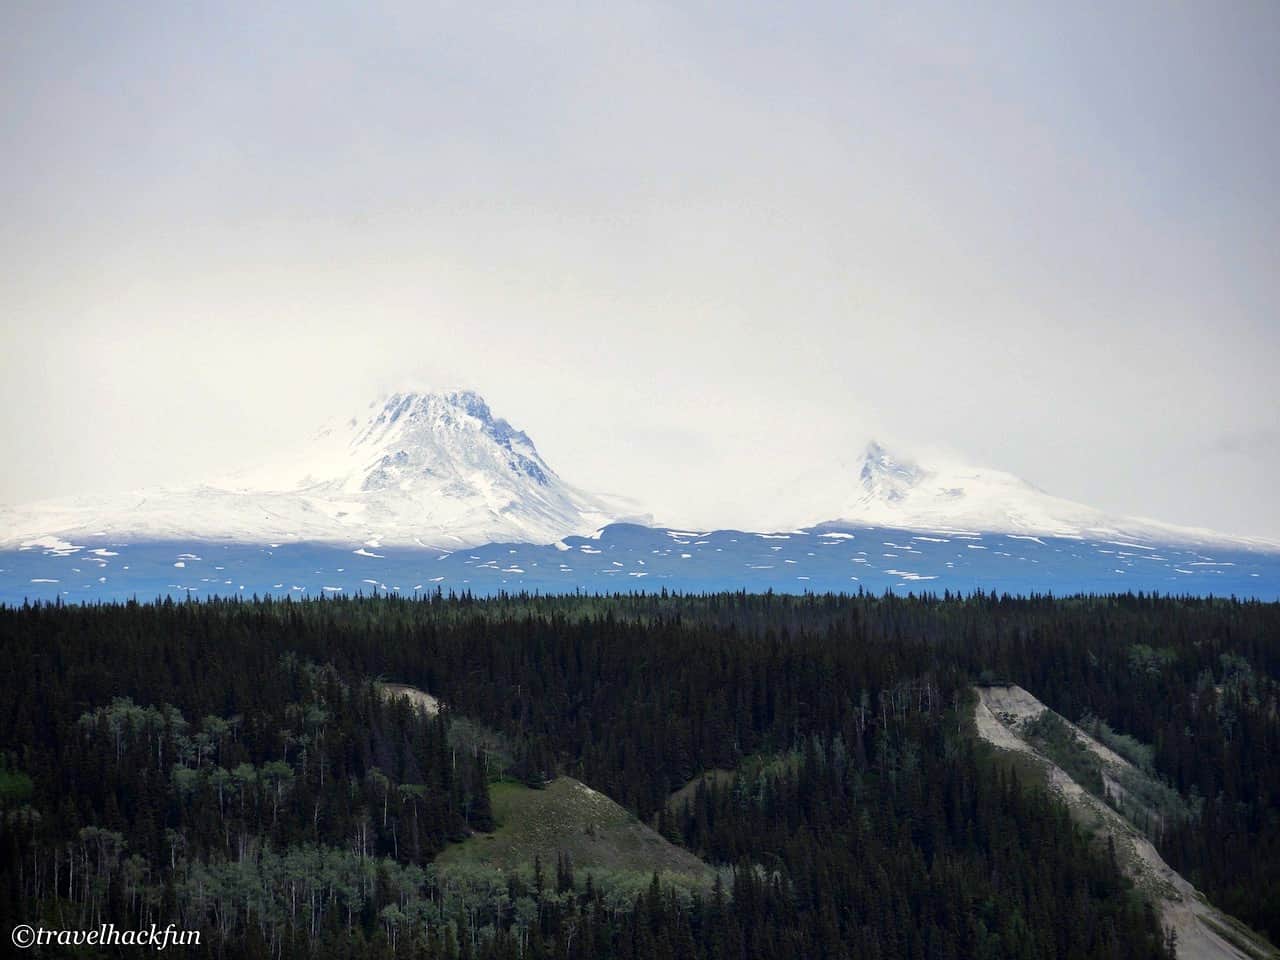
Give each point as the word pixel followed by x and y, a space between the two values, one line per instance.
pixel 234 768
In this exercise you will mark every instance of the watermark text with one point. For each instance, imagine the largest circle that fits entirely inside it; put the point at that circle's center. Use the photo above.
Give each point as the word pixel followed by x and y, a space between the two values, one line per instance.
pixel 25 936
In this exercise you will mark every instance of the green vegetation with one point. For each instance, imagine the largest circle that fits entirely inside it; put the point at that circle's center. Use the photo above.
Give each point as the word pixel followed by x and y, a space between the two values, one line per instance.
pixel 1242 940
pixel 231 766
pixel 494 750
pixel 1149 805
pixel 567 819
pixel 686 794
pixel 15 786
pixel 1140 754
pixel 753 771
pixel 1053 738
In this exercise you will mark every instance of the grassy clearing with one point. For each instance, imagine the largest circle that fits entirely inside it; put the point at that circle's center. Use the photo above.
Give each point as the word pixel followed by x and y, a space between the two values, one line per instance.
pixel 687 793
pixel 569 817
pixel 751 769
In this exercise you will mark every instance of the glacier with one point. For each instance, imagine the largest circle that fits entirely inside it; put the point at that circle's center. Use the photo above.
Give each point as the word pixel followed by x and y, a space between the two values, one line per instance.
pixel 431 470
pixel 423 492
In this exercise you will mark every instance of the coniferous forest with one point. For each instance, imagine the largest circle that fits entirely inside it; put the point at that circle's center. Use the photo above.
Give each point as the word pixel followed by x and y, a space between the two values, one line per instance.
pixel 235 768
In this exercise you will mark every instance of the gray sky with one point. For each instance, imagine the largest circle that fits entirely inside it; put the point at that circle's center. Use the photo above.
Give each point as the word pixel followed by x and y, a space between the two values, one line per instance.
pixel 694 250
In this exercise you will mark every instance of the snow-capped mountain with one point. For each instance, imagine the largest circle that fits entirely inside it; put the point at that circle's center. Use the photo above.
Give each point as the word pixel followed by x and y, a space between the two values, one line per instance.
pixel 415 469
pixel 356 507
pixel 890 490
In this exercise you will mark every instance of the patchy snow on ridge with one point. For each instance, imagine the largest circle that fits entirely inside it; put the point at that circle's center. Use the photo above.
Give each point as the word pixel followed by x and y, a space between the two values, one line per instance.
pixel 439 471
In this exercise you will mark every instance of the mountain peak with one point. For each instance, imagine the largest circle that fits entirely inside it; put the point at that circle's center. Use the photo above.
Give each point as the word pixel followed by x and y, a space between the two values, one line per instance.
pixel 417 434
pixel 895 491
pixel 414 468
pixel 886 477
pixel 417 403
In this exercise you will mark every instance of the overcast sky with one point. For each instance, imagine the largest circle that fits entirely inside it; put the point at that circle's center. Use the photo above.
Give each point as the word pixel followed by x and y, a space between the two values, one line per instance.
pixel 695 250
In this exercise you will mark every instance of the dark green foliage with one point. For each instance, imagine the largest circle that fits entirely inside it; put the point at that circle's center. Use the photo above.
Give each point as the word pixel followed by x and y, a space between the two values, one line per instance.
pixel 176 748
pixel 1055 740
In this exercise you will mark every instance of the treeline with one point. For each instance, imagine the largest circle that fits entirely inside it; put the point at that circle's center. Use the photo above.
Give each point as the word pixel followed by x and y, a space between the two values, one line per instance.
pixel 310 800
pixel 924 851
pixel 232 764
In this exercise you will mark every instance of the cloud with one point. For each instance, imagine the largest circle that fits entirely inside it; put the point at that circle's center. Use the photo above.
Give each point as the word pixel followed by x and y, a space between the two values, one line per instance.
pixel 1259 444
pixel 694 255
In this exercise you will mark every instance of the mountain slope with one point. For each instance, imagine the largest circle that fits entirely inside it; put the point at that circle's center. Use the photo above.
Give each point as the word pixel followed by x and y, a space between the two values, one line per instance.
pixel 894 491
pixel 1003 715
pixel 418 469
pixel 568 817
pixel 420 475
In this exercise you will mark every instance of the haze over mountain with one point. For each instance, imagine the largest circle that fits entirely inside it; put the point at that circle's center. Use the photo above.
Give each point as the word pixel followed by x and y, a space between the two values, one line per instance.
pixel 439 470
pixel 895 491
pixel 434 470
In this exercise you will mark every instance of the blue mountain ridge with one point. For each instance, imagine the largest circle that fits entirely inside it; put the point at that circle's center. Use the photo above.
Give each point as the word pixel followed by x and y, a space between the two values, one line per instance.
pixel 627 557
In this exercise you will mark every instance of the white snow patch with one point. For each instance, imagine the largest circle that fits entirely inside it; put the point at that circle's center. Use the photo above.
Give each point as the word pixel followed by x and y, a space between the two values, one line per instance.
pixel 51 546
pixel 908 575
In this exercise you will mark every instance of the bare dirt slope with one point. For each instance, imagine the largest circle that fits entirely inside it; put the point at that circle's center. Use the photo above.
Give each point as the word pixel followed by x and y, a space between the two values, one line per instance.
pixel 1204 932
